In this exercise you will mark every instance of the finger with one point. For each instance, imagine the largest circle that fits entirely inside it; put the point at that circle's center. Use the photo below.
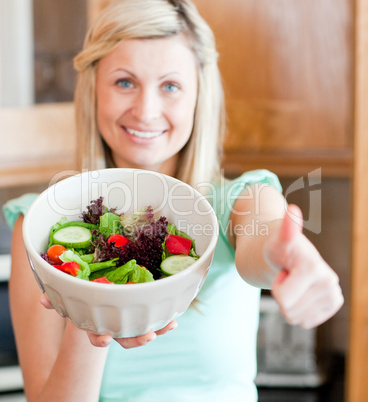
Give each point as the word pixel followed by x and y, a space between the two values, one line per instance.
pixel 303 289
pixel 46 302
pixel 322 299
pixel 100 341
pixel 292 224
pixel 315 315
pixel 323 314
pixel 169 327
pixel 277 249
pixel 288 292
pixel 129 343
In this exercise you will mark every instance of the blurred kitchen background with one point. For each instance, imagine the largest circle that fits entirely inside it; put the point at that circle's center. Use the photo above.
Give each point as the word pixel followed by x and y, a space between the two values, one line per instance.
pixel 292 73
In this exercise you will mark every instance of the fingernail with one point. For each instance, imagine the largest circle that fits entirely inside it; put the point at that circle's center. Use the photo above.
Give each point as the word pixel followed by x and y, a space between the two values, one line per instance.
pixel 106 341
pixel 174 325
pixel 150 337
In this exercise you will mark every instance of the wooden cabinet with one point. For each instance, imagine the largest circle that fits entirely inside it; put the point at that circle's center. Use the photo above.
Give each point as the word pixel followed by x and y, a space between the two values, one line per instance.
pixel 358 346
pixel 287 70
pixel 37 143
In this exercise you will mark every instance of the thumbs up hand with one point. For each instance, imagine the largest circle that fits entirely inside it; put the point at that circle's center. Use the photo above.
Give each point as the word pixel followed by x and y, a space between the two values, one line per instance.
pixel 306 288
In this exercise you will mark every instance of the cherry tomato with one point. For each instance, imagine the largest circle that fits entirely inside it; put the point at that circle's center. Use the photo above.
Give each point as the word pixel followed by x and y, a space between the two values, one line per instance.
pixel 102 279
pixel 119 240
pixel 69 267
pixel 130 283
pixel 178 244
pixel 54 252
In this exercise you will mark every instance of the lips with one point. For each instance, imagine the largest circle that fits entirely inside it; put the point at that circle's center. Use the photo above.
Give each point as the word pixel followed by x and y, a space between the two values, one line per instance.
pixel 144 134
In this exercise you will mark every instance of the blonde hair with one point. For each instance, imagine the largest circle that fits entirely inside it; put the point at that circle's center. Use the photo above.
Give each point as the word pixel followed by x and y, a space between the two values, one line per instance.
pixel 144 19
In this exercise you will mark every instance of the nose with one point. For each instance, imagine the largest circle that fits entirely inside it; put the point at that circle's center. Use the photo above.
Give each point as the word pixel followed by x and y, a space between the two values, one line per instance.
pixel 146 106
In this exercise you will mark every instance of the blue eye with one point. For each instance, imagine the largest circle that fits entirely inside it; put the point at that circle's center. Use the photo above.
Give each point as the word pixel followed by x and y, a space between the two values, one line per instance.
pixel 124 83
pixel 170 87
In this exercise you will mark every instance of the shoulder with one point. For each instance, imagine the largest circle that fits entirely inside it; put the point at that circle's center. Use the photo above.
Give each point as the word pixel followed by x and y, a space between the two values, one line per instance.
pixel 17 206
pixel 224 193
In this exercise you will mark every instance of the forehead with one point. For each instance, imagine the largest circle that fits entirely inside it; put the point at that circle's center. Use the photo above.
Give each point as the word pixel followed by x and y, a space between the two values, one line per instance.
pixel 161 55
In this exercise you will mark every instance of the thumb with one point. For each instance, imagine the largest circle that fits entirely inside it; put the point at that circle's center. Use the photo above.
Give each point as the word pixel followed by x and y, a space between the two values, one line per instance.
pixel 275 250
pixel 292 224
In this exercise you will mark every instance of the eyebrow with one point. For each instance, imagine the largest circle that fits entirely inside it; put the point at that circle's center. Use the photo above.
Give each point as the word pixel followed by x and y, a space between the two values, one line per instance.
pixel 123 70
pixel 133 75
pixel 170 73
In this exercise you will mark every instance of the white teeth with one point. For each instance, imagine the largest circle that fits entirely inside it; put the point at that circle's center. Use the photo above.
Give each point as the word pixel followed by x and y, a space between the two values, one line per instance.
pixel 144 134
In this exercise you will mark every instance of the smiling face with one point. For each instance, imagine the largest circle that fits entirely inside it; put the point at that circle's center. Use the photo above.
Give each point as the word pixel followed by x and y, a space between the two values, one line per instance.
pixel 146 98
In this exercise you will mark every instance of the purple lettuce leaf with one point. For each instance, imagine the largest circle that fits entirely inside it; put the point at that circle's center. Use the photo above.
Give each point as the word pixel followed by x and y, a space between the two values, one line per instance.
pixel 94 211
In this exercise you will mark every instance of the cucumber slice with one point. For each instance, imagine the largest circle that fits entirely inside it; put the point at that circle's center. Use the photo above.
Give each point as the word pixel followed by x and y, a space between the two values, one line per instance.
pixel 176 263
pixel 73 237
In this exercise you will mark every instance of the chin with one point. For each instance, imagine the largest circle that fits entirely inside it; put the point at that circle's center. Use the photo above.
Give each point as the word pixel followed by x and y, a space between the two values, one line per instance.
pixel 140 163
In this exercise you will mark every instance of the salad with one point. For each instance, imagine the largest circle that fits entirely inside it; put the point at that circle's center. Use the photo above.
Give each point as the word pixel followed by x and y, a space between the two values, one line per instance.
pixel 116 248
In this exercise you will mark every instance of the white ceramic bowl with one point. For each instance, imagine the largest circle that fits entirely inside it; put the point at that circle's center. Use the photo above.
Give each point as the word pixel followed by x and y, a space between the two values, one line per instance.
pixel 121 310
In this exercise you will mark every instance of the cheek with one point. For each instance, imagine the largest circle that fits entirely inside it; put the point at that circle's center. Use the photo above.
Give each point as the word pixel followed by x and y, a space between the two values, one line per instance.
pixel 184 111
pixel 101 106
pixel 185 117
pixel 187 125
pixel 105 103
pixel 102 120
pixel 103 113
pixel 105 110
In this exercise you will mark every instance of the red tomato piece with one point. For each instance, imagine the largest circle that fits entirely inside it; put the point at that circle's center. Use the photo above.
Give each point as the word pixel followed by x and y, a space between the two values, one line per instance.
pixel 129 283
pixel 119 240
pixel 178 244
pixel 54 252
pixel 102 279
pixel 69 267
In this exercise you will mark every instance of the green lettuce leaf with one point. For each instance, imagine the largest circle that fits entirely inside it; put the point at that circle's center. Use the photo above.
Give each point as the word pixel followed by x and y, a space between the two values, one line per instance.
pixel 110 224
pixel 69 255
pixel 129 272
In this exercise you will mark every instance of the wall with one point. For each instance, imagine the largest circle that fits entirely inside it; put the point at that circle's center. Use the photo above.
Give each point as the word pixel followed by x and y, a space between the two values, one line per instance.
pixel 59 29
pixel 16 53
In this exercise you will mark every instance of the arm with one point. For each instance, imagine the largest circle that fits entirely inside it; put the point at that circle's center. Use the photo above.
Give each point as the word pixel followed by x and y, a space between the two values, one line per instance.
pixel 58 362
pixel 280 257
pixel 256 215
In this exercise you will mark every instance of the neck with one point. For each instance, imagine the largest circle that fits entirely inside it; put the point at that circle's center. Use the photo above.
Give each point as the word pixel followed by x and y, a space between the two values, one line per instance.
pixel 168 167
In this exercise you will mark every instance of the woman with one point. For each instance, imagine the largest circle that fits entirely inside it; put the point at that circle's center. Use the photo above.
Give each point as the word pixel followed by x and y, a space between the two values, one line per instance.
pixel 149 96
